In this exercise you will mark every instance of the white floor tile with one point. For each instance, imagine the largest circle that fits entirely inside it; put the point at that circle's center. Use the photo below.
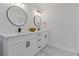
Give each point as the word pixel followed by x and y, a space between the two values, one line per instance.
pixel 53 51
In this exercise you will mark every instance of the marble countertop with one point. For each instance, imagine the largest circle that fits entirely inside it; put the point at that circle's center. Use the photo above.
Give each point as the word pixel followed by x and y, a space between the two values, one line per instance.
pixel 7 35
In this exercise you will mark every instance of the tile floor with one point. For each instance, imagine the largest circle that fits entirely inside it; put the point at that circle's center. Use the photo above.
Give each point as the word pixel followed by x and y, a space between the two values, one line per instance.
pixel 53 51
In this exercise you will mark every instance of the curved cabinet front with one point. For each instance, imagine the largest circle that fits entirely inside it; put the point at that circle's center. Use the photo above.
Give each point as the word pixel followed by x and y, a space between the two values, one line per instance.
pixel 25 45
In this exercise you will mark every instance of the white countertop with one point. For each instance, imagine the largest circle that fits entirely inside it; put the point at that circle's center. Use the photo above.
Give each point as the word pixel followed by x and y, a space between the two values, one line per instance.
pixel 7 35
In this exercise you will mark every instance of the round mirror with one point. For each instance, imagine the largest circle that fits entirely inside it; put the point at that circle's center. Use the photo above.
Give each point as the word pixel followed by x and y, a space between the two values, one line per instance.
pixel 37 21
pixel 16 16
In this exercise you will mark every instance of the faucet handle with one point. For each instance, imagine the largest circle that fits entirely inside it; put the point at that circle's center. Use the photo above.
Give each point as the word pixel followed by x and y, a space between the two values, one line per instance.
pixel 19 29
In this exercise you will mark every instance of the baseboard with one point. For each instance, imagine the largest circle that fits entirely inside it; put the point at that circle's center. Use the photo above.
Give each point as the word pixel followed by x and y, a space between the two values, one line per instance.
pixel 64 48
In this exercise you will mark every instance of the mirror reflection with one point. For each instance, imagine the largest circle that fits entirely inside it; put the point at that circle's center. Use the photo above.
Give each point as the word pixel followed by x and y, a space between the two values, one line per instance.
pixel 37 21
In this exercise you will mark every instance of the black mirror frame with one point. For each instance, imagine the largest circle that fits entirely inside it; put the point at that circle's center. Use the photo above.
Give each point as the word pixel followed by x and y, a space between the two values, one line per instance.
pixel 11 21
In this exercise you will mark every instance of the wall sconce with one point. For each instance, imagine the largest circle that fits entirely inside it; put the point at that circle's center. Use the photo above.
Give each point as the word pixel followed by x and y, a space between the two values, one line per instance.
pixel 37 12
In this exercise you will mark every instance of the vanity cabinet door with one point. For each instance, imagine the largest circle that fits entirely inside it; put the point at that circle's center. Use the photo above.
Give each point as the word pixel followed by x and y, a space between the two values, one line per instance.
pixel 24 48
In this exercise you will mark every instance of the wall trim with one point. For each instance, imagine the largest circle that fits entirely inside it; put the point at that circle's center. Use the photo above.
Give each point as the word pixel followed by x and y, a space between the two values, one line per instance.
pixel 64 48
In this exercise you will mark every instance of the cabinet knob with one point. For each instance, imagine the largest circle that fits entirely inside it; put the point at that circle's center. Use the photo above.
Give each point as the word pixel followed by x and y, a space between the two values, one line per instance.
pixel 45 35
pixel 28 44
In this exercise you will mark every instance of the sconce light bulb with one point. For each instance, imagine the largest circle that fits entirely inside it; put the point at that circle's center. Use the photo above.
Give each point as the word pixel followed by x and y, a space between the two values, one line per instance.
pixel 39 11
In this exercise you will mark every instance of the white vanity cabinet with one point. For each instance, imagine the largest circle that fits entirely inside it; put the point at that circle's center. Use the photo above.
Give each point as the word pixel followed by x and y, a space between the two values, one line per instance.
pixel 24 44
pixel 0 50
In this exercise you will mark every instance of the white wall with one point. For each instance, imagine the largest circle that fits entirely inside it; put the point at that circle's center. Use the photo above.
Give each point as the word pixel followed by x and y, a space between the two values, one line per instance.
pixel 77 28
pixel 62 25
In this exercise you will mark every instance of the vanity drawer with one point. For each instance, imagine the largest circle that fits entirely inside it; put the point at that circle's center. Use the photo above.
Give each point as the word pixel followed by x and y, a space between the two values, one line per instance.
pixel 45 35
pixel 41 41
pixel 39 46
pixel 18 39
pixel 43 38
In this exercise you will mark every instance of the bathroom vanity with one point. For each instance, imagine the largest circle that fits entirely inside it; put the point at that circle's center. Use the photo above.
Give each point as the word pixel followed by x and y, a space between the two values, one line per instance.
pixel 23 44
pixel 15 37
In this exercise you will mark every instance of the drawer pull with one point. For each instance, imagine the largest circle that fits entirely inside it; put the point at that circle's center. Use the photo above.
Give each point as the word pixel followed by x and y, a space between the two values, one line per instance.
pixel 28 44
pixel 39 46
pixel 39 40
pixel 39 34
pixel 45 35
